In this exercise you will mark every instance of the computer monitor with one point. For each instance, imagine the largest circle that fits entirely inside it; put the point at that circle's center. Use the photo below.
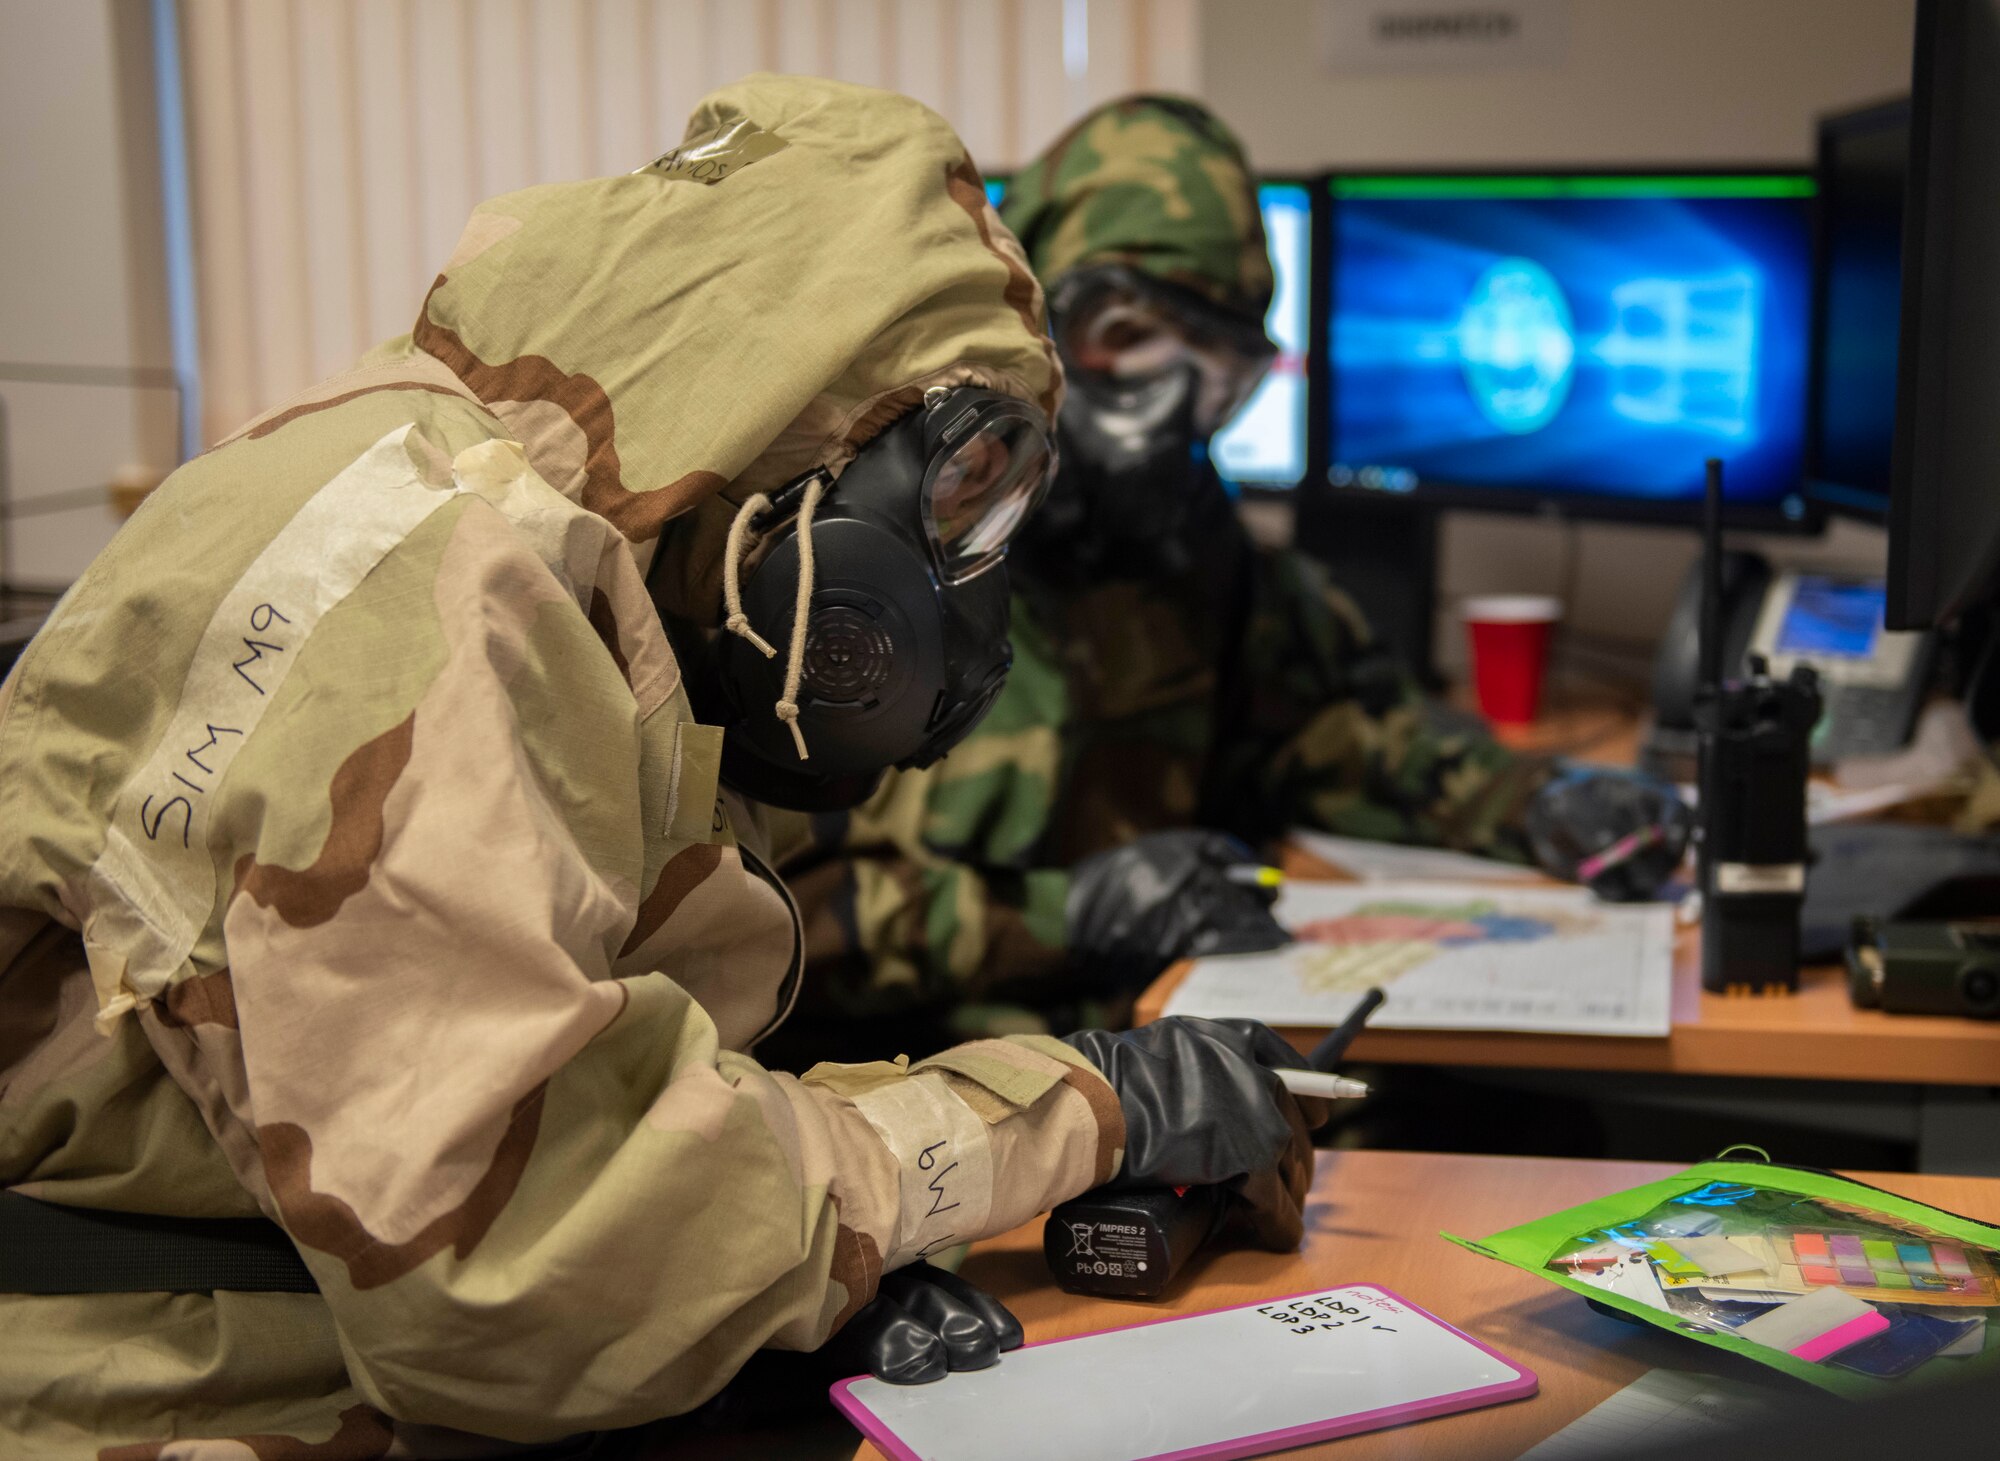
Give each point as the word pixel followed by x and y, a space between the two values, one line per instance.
pixel 1857 287
pixel 1264 444
pixel 1944 510
pixel 1582 342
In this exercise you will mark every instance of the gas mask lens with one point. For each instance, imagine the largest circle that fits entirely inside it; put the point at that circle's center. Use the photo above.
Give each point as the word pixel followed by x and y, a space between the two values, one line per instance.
pixel 978 492
pixel 1224 377
pixel 1127 329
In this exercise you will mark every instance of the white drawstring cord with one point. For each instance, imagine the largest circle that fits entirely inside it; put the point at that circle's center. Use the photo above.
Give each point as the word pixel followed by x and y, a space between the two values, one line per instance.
pixel 732 563
pixel 795 659
pixel 732 596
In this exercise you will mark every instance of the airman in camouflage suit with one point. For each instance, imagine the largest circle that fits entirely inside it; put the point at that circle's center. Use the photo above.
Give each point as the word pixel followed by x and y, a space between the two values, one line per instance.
pixel 1240 691
pixel 362 865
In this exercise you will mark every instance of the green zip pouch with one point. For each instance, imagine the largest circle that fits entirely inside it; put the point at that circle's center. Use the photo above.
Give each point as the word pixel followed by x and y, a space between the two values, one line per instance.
pixel 1842 1284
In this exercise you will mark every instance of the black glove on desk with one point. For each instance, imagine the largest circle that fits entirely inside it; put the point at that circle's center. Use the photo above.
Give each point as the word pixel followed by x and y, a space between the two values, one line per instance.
pixel 1204 1106
pixel 1620 833
pixel 921 1323
pixel 1165 896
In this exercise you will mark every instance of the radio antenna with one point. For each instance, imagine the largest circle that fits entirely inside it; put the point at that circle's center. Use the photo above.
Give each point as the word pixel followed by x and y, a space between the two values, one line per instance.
pixel 1711 580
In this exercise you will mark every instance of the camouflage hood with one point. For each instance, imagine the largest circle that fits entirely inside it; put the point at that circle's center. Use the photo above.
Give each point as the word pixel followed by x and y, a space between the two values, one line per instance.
pixel 760 300
pixel 1153 182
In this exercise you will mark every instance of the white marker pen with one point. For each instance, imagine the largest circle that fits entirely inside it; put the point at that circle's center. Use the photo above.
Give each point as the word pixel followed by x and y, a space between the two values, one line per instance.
pixel 1326 1087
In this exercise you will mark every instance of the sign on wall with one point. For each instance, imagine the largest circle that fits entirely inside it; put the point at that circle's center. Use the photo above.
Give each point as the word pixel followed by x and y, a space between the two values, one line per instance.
pixel 1437 35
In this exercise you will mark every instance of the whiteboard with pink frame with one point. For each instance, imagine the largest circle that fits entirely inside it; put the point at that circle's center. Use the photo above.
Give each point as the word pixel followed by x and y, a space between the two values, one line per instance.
pixel 1233 1382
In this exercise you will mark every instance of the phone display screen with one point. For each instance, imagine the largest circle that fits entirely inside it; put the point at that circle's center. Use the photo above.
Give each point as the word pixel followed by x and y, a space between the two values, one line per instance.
pixel 1830 618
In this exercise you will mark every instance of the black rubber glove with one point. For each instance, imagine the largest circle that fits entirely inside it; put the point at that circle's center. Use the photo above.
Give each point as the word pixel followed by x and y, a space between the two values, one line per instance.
pixel 1165 896
pixel 1620 833
pixel 922 1323
pixel 1203 1106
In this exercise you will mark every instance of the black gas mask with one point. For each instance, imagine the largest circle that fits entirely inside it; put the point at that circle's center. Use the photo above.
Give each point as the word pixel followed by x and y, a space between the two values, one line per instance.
pixel 1154 371
pixel 895 573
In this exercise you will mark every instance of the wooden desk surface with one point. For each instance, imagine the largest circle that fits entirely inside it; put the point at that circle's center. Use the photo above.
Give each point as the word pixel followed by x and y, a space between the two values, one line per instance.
pixel 1373 1218
pixel 1816 1034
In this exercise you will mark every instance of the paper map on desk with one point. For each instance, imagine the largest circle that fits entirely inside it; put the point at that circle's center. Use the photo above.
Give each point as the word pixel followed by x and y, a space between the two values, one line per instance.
pixel 1368 861
pixel 1450 957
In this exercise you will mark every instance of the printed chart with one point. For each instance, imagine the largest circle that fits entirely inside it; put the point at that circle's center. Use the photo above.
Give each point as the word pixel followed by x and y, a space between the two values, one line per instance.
pixel 1451 956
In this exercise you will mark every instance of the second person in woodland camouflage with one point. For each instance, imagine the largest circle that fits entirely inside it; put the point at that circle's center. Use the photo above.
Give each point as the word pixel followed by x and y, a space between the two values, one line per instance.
pixel 1168 673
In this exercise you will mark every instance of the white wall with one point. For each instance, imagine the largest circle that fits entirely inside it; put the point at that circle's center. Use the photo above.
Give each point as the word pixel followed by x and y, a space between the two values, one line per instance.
pixel 1658 81
pixel 82 286
pixel 1640 81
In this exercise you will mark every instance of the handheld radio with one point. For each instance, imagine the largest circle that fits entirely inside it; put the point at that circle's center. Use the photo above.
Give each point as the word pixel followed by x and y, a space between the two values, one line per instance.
pixel 1755 758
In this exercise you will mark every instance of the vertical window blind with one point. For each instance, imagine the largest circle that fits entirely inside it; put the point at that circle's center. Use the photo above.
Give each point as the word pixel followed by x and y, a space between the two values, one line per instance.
pixel 336 146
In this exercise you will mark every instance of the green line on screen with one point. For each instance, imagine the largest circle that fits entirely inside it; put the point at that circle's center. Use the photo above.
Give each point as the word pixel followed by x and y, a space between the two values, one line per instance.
pixel 1744 185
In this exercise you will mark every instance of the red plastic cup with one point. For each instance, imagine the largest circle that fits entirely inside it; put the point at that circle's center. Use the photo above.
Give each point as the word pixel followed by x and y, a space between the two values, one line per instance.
pixel 1509 635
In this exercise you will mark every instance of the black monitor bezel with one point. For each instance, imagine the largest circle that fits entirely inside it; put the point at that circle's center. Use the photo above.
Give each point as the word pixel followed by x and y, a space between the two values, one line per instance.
pixel 1532 502
pixel 1920 594
pixel 1832 496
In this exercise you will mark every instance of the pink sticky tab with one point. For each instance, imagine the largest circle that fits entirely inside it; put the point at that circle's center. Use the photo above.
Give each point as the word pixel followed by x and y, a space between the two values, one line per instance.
pixel 1818 1324
pixel 1950 1260
pixel 1835 1340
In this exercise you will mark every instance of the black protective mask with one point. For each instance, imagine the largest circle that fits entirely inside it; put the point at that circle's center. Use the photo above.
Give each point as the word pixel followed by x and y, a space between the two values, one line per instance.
pixel 1135 469
pixel 906 631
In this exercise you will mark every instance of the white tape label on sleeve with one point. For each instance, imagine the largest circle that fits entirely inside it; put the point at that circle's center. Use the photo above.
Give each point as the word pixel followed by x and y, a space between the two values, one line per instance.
pixel 946 1162
pixel 154 884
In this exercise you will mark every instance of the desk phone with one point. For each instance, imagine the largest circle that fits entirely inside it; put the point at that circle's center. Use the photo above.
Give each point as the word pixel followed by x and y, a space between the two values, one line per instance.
pixel 1873 680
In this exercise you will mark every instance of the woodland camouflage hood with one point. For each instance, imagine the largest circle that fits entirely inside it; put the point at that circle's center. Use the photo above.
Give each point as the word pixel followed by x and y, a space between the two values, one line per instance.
pixel 1153 182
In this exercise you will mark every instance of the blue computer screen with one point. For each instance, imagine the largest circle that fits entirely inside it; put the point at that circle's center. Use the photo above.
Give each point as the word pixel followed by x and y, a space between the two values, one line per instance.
pixel 1583 337
pixel 1265 442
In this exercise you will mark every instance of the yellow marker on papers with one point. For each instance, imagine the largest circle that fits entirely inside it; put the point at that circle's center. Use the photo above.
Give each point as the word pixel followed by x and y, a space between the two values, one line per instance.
pixel 1671 1261
pixel 1255 875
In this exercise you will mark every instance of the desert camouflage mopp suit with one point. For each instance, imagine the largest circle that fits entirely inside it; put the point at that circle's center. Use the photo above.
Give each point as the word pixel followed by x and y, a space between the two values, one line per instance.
pixel 362 865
